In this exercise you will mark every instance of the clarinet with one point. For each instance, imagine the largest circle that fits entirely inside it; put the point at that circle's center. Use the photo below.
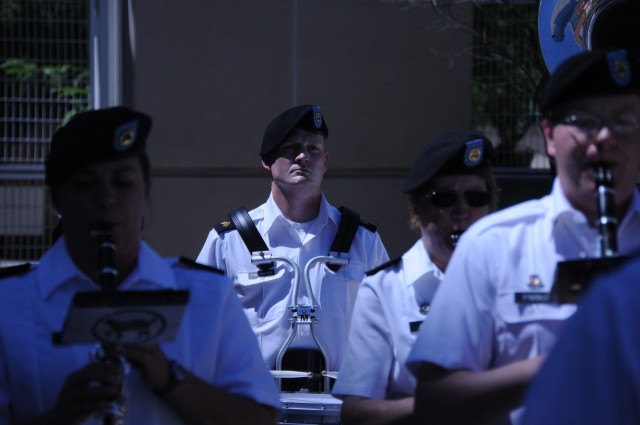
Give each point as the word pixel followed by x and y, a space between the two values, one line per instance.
pixel 607 221
pixel 573 276
pixel 112 413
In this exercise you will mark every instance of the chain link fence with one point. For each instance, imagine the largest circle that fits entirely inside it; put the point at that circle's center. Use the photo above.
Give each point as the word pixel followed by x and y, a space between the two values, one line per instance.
pixel 43 80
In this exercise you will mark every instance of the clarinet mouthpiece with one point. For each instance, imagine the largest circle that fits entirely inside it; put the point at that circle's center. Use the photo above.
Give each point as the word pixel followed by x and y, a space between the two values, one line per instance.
pixel 107 273
pixel 454 237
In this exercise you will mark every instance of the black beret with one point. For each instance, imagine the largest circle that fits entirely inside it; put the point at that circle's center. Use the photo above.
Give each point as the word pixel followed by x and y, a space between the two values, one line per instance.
pixel 455 152
pixel 97 136
pixel 304 117
pixel 593 73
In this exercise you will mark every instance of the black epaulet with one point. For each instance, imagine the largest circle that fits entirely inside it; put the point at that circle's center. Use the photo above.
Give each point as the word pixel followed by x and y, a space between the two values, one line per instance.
pixel 369 226
pixel 386 265
pixel 14 270
pixel 190 264
pixel 224 226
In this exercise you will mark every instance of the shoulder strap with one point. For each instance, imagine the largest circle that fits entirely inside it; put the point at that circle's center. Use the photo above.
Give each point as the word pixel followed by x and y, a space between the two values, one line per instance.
pixel 249 233
pixel 342 241
pixel 248 230
pixel 347 230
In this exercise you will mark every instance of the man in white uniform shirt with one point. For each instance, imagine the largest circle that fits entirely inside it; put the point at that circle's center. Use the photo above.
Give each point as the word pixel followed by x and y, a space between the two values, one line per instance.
pixel 449 187
pixel 298 223
pixel 489 332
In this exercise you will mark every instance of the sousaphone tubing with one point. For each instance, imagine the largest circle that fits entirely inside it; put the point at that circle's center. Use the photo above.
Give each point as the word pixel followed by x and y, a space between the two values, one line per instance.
pixel 568 27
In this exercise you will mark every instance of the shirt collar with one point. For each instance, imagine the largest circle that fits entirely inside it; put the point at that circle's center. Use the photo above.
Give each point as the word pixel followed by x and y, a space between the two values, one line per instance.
pixel 634 208
pixel 559 206
pixel 327 212
pixel 56 268
pixel 151 269
pixel 272 213
pixel 420 262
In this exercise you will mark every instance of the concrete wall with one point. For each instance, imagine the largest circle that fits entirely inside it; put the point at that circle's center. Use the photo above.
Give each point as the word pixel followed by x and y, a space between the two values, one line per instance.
pixel 213 74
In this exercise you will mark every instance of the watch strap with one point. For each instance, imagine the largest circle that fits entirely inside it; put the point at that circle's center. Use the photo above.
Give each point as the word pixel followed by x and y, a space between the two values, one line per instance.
pixel 176 374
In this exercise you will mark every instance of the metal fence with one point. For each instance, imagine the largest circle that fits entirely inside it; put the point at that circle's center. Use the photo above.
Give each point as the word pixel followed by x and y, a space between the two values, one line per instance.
pixel 43 79
pixel 507 70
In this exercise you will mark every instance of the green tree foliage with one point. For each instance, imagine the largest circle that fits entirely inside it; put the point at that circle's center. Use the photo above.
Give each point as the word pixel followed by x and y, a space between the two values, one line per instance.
pixel 508 69
pixel 65 82
pixel 38 65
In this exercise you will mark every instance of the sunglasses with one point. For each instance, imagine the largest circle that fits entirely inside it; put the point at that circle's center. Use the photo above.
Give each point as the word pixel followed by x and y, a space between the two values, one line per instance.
pixel 448 198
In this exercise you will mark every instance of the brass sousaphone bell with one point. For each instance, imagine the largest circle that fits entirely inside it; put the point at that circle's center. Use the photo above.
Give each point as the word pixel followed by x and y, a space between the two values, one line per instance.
pixel 568 27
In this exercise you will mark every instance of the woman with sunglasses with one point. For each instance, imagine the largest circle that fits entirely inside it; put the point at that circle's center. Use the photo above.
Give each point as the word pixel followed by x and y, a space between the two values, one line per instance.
pixel 449 187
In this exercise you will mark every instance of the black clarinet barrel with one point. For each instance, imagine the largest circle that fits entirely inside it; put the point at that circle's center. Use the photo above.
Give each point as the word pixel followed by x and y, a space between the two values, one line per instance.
pixel 107 274
pixel 574 276
pixel 607 220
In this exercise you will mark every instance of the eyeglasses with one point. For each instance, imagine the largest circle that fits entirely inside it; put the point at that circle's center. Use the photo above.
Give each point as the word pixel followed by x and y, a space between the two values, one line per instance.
pixel 590 125
pixel 448 198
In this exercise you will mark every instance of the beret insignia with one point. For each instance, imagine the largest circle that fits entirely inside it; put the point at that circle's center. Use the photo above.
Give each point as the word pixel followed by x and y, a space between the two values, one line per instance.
pixel 125 136
pixel 619 67
pixel 317 116
pixel 473 153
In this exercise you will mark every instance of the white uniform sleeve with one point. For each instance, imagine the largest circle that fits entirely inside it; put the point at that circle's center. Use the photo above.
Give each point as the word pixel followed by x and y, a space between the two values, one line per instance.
pixel 459 332
pixel 367 364
pixel 207 253
pixel 378 253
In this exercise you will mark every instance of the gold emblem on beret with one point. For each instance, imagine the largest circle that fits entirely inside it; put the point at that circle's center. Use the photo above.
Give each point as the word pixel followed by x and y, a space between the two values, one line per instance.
pixel 127 138
pixel 317 116
pixel 473 152
pixel 225 224
pixel 474 155
pixel 619 68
